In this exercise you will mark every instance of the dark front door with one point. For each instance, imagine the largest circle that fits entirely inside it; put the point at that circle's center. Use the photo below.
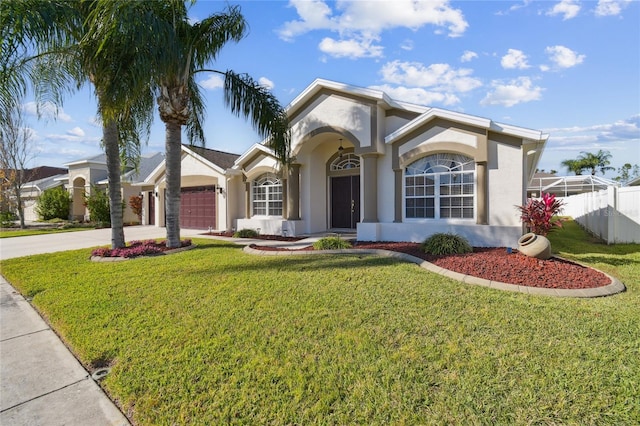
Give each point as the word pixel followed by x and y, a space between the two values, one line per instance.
pixel 345 201
pixel 152 208
pixel 198 207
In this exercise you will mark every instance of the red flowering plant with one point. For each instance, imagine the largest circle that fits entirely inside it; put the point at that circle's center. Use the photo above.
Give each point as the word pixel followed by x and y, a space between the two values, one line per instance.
pixel 137 248
pixel 540 214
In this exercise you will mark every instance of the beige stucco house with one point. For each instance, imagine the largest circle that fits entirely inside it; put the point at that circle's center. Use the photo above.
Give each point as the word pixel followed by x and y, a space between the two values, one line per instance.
pixel 389 170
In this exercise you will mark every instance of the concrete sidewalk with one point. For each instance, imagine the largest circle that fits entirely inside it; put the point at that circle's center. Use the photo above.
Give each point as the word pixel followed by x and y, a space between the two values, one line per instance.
pixel 41 382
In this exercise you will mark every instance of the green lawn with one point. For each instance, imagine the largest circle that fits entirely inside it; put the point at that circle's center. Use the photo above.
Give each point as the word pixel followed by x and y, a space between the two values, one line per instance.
pixel 17 232
pixel 213 335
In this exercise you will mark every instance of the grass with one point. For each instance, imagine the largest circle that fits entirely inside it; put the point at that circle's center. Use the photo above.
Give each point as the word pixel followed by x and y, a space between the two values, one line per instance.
pixel 213 335
pixel 17 232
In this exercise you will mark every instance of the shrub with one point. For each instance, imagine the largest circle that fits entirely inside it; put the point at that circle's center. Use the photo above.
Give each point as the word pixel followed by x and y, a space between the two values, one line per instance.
pixel 135 202
pixel 331 243
pixel 137 248
pixel 97 202
pixel 7 218
pixel 54 203
pixel 445 243
pixel 539 215
pixel 246 233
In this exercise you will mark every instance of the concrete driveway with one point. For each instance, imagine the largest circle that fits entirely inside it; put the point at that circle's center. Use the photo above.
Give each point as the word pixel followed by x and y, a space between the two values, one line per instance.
pixel 49 243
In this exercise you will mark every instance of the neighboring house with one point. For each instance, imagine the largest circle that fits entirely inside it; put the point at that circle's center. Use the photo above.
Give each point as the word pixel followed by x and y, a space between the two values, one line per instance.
pixel 390 170
pixel 634 182
pixel 30 192
pixel 565 186
pixel 85 173
pixel 40 179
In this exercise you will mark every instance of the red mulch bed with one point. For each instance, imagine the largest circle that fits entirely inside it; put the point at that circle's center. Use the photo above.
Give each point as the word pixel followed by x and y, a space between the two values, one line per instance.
pixel 496 264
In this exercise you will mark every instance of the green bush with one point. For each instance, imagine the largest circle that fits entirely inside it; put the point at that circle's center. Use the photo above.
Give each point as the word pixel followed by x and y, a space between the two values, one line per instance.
pixel 7 218
pixel 54 203
pixel 331 243
pixel 97 202
pixel 246 233
pixel 441 243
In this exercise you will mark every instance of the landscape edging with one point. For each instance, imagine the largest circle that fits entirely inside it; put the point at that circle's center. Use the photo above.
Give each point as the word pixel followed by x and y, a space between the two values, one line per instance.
pixel 612 288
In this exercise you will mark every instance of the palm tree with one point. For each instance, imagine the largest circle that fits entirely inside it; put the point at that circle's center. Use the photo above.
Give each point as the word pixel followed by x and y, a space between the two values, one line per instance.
pixel 574 166
pixel 598 161
pixel 69 53
pixel 180 102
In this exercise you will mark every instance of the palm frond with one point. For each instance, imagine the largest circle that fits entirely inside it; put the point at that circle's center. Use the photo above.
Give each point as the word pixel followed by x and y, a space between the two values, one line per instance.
pixel 246 98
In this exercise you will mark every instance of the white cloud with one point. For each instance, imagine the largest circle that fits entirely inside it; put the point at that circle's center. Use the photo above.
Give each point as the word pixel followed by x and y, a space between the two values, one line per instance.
pixel 628 129
pixel 468 56
pixel 440 77
pixel 512 93
pixel 47 110
pixel 563 57
pixel 407 45
pixel 214 81
pixel 611 7
pixel 513 8
pixel 568 8
pixel 514 59
pixel 76 131
pixel 350 48
pixel 360 23
pixel 418 95
pixel 265 82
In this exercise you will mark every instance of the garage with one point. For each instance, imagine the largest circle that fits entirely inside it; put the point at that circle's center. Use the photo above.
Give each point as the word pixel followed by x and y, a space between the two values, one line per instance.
pixel 198 207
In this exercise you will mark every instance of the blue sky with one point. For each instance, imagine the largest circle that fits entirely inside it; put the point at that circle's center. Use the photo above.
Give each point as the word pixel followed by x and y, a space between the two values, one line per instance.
pixel 570 68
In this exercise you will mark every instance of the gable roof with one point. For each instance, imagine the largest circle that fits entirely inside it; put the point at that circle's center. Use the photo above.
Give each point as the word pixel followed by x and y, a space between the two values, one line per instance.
pixel 222 159
pixel 96 159
pixel 45 183
pixel 148 163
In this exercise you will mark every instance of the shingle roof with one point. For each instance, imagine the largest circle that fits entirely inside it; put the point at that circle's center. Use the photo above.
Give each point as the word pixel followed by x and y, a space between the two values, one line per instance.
pixel 224 160
pixel 148 163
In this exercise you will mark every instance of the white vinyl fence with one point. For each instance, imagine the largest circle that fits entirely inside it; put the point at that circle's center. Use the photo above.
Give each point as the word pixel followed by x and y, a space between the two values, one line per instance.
pixel 612 214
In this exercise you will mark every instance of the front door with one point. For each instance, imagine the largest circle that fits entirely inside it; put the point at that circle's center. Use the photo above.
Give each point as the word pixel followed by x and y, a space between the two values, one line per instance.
pixel 152 208
pixel 345 201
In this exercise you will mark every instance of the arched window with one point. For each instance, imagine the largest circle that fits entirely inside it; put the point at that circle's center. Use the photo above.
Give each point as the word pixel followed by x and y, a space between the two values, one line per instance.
pixel 347 161
pixel 440 186
pixel 267 195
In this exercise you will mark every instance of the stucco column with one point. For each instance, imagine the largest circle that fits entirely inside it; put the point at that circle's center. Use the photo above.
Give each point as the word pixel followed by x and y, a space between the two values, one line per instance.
pixel 397 196
pixel 481 193
pixel 247 200
pixel 285 198
pixel 370 187
pixel 293 192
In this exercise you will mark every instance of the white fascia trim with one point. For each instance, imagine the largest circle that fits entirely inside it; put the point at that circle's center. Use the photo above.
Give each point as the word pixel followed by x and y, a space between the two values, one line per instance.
pixel 534 135
pixel 320 83
pixel 155 174
pixel 432 113
pixel 255 147
pixel 204 160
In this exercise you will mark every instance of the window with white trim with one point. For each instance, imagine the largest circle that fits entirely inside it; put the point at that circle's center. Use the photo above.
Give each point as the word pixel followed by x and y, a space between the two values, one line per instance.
pixel 440 186
pixel 267 195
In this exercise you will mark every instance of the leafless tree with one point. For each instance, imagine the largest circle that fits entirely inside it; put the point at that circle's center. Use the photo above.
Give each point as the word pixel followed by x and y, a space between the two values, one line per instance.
pixel 16 150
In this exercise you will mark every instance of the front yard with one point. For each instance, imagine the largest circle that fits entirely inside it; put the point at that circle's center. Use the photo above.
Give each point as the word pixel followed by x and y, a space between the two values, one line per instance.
pixel 213 335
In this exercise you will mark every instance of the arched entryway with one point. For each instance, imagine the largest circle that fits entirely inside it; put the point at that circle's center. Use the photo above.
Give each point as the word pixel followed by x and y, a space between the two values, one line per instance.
pixel 344 190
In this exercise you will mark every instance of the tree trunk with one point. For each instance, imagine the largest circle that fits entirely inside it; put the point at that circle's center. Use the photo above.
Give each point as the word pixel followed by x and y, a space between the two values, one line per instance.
pixel 110 135
pixel 173 161
pixel 19 205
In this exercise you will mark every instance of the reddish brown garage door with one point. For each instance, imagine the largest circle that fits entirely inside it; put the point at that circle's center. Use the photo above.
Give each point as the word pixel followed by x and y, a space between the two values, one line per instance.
pixel 198 207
